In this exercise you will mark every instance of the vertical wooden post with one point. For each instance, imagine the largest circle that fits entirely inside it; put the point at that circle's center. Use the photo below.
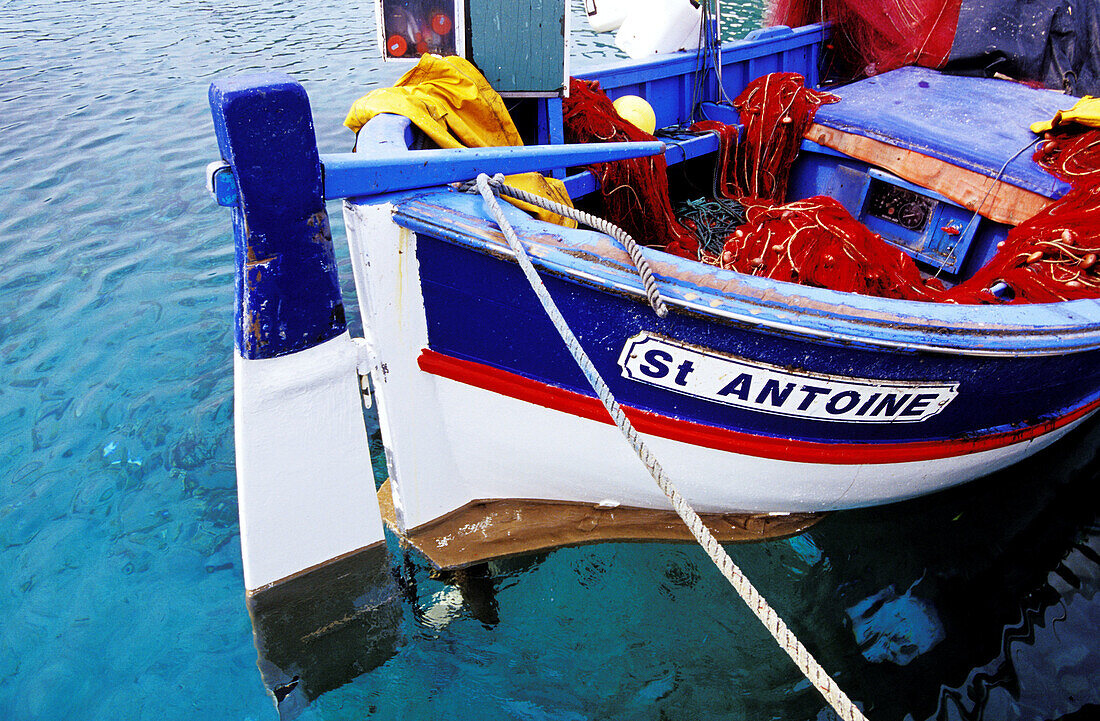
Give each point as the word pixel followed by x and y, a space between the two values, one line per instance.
pixel 305 489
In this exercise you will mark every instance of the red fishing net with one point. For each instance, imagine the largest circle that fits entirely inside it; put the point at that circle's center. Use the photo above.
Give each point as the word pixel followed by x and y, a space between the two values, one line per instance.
pixel 814 241
pixel 634 192
pixel 776 110
pixel 817 242
pixel 1051 257
pixel 873 36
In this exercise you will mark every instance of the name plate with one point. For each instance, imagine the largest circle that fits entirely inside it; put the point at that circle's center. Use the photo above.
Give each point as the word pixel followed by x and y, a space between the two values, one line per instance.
pixel 722 378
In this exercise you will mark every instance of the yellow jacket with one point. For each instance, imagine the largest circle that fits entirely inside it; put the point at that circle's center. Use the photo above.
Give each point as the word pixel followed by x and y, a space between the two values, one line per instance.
pixel 1086 112
pixel 451 102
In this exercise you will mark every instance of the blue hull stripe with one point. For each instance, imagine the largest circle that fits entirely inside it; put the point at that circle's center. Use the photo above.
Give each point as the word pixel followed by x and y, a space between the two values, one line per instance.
pixel 479 308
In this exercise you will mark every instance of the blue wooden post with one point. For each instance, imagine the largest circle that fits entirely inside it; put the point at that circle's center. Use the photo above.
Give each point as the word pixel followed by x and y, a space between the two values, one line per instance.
pixel 288 291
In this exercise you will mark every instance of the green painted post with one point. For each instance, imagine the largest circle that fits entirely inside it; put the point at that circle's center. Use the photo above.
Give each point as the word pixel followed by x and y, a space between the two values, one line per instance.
pixel 519 45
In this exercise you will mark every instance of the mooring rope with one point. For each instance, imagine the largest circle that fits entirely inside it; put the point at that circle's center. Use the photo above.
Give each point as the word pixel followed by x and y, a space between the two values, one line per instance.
pixel 806 663
pixel 645 271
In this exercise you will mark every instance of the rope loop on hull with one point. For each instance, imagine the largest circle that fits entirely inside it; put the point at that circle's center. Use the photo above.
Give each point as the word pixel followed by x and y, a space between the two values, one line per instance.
pixel 806 663
pixel 645 271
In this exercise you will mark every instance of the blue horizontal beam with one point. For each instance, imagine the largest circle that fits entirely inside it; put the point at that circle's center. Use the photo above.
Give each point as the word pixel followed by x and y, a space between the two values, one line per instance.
pixel 349 175
pixel 583 183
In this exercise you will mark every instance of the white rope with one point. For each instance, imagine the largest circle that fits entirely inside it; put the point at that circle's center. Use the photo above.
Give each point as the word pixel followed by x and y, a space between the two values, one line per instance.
pixel 641 264
pixel 752 598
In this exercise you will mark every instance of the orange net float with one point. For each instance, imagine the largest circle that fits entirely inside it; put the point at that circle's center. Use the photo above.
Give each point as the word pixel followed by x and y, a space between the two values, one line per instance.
pixel 396 46
pixel 441 23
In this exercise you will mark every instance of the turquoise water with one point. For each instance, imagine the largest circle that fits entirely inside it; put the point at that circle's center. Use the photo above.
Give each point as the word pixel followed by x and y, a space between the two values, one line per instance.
pixel 122 595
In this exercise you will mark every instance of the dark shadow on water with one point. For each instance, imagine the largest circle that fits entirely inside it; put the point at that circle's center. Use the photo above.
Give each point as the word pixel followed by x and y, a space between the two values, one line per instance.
pixel 478 590
pixel 939 595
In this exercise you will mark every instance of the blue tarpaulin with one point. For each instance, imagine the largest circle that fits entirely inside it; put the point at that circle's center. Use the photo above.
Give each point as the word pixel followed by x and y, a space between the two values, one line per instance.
pixel 979 124
pixel 1054 41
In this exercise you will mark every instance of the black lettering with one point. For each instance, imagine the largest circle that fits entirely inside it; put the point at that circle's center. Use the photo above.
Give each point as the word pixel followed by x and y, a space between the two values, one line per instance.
pixel 657 359
pixel 918 404
pixel 778 397
pixel 682 372
pixel 833 406
pixel 739 387
pixel 867 406
pixel 812 392
pixel 891 403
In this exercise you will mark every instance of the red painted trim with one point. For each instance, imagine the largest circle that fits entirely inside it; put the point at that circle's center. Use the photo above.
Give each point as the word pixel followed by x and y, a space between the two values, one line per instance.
pixel 515 386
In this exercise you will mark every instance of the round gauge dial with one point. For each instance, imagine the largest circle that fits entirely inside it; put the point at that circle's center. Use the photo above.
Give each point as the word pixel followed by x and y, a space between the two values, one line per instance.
pixel 912 215
pixel 901 206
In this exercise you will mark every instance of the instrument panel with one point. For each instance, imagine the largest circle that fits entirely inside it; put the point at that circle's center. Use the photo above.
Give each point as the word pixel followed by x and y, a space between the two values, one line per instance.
pixel 900 206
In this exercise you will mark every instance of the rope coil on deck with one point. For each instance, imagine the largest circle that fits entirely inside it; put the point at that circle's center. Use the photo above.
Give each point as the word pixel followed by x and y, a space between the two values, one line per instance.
pixel 645 271
pixel 806 663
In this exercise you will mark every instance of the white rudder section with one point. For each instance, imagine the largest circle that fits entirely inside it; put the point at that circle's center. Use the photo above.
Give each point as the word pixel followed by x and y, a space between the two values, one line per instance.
pixel 425 479
pixel 304 481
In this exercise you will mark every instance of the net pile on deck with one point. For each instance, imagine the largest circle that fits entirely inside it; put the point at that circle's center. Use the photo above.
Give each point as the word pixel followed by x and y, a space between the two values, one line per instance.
pixel 816 241
pixel 635 192
pixel 1052 256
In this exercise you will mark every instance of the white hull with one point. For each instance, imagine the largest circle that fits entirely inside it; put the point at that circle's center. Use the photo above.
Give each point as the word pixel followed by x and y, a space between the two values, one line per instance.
pixel 465 443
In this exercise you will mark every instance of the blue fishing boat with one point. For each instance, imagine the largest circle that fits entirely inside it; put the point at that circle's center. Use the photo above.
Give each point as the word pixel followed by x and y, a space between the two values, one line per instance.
pixel 906 299
pixel 767 401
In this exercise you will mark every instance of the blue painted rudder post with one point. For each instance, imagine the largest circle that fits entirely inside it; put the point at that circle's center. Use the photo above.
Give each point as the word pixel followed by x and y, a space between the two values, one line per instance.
pixel 288 290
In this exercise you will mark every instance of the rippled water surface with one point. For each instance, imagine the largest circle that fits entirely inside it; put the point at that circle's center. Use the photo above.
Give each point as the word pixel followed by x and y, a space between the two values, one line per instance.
pixel 122 595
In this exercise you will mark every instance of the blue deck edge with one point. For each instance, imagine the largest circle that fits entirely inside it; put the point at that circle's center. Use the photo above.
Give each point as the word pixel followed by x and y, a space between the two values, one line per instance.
pixel 786 308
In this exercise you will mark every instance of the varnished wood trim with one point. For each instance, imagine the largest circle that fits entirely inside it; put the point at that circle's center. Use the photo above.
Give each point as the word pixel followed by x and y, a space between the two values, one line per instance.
pixel 998 200
pixel 487 529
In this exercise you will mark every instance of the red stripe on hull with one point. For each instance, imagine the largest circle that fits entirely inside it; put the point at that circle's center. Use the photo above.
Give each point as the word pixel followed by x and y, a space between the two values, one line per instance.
pixel 516 386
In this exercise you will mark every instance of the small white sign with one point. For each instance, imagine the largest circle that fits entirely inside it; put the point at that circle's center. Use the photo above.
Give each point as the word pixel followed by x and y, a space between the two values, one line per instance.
pixel 723 378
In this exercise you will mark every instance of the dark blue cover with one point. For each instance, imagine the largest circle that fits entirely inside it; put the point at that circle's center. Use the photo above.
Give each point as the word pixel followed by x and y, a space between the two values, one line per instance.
pixel 1054 41
pixel 288 289
pixel 971 122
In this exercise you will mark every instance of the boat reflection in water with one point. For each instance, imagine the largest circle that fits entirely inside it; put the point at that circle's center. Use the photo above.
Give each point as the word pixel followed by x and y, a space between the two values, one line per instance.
pixel 317 632
pixel 976 603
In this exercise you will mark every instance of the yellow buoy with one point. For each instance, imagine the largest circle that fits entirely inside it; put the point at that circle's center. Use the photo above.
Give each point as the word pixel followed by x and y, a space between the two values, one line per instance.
pixel 636 111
